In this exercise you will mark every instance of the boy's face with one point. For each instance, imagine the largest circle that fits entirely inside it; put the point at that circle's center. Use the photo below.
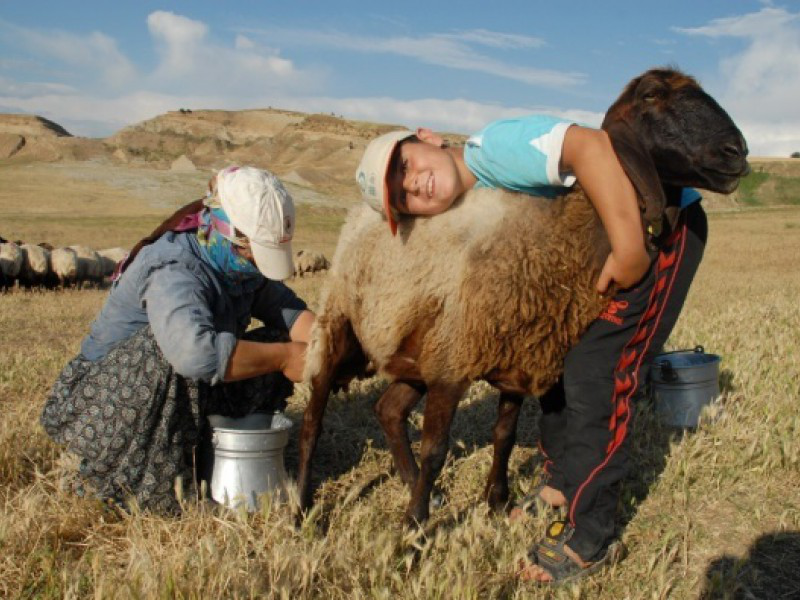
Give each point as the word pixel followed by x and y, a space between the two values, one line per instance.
pixel 429 177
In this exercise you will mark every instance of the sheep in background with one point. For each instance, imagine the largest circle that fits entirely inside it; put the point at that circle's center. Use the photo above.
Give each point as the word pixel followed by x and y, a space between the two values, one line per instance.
pixel 63 267
pixel 10 263
pixel 497 288
pixel 90 267
pixel 35 266
pixel 306 262
pixel 110 258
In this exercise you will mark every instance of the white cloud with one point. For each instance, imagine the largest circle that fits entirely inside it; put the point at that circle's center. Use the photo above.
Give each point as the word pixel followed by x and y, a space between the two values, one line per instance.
pixel 193 62
pixel 33 88
pixel 762 82
pixel 93 53
pixel 452 50
pixel 497 39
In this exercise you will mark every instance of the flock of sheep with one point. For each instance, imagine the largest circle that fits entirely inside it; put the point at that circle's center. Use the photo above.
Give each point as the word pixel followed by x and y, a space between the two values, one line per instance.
pixel 43 266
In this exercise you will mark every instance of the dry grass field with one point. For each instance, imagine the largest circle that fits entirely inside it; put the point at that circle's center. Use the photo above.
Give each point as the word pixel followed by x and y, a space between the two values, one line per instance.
pixel 712 513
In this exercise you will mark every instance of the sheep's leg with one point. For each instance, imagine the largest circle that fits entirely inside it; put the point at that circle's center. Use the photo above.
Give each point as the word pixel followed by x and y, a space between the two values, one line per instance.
pixel 439 410
pixel 340 342
pixel 505 435
pixel 392 410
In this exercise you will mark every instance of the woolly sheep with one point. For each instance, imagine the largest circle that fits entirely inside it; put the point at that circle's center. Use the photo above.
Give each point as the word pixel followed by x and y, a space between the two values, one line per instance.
pixel 90 268
pixel 10 263
pixel 497 288
pixel 35 265
pixel 109 259
pixel 309 262
pixel 64 267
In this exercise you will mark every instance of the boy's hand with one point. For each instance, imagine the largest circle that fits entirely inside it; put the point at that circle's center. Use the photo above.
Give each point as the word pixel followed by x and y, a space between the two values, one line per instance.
pixel 625 270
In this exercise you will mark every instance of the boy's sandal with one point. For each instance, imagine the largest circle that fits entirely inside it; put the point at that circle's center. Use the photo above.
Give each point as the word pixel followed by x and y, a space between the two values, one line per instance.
pixel 550 556
pixel 532 504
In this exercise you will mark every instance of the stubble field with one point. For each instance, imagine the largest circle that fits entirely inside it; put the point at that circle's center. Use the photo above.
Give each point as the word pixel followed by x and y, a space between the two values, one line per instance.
pixel 712 513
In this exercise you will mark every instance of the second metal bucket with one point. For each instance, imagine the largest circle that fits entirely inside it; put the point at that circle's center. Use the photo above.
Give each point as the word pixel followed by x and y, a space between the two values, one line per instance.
pixel 684 382
pixel 248 457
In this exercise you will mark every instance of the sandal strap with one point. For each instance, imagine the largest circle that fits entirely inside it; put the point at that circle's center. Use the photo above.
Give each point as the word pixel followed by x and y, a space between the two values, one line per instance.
pixel 549 554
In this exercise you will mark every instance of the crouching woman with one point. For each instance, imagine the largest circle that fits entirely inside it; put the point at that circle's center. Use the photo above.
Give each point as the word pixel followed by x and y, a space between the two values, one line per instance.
pixel 170 344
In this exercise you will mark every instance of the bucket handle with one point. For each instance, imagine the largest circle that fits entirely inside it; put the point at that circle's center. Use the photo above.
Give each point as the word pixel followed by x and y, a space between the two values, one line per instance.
pixel 668 374
pixel 698 349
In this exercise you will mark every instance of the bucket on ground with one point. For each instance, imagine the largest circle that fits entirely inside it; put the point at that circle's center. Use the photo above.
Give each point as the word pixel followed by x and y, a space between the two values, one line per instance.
pixel 683 382
pixel 248 457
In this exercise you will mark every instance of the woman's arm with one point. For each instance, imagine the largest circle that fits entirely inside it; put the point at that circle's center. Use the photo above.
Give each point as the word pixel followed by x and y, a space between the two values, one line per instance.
pixel 589 155
pixel 251 359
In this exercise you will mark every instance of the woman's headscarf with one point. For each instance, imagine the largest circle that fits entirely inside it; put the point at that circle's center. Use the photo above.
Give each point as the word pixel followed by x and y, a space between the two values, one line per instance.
pixel 219 249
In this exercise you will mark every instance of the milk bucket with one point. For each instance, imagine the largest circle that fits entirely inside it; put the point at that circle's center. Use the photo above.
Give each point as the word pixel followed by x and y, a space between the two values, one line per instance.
pixel 248 457
pixel 683 382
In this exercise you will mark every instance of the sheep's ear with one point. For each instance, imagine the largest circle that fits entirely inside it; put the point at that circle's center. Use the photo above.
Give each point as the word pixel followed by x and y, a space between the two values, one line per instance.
pixel 641 170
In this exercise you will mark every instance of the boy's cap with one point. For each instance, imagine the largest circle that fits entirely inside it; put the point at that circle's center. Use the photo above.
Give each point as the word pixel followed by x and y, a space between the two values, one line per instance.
pixel 371 173
pixel 259 206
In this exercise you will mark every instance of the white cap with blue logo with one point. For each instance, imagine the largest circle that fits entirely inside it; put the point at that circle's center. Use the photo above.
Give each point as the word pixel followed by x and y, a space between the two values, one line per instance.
pixel 371 173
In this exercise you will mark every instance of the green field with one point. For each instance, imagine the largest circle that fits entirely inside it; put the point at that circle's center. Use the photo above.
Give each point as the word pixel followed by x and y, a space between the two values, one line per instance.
pixel 713 513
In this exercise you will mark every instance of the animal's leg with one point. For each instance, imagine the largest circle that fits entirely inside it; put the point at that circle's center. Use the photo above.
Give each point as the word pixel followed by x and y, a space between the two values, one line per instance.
pixel 335 342
pixel 392 410
pixel 505 435
pixel 439 409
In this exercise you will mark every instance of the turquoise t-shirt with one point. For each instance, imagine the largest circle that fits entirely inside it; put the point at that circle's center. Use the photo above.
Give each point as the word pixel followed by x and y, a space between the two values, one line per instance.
pixel 523 155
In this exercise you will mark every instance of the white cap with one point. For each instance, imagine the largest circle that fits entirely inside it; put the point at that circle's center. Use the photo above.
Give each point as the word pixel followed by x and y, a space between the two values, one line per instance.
pixel 259 206
pixel 371 173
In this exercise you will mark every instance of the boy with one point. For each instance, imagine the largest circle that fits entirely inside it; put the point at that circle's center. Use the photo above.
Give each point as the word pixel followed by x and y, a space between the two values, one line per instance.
pixel 585 417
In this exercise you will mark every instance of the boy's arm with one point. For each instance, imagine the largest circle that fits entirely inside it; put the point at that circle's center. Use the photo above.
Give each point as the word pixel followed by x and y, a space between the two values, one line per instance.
pixel 589 155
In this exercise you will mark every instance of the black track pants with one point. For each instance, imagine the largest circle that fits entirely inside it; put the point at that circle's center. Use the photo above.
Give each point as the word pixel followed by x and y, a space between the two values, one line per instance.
pixel 587 417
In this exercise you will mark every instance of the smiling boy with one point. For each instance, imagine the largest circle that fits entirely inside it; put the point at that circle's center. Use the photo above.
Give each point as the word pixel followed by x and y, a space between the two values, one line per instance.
pixel 537 155
pixel 415 173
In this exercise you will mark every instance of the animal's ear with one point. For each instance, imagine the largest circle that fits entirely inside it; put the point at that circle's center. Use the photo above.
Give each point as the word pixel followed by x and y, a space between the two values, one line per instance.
pixel 641 170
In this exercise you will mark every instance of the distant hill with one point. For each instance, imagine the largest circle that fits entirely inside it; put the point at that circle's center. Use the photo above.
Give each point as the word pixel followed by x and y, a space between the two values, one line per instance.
pixel 318 151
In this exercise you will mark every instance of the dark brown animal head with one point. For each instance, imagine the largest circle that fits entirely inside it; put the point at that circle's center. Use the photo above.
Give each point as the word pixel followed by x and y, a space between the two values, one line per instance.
pixel 668 131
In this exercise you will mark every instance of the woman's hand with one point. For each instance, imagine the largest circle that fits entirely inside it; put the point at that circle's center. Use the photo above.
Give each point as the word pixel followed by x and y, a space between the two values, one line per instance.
pixel 623 268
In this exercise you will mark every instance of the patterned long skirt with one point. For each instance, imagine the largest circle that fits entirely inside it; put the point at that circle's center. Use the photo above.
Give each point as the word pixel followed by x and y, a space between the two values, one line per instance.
pixel 136 424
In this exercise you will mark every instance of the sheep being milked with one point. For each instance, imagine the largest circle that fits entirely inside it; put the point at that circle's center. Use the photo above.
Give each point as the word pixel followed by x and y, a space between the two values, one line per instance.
pixel 499 287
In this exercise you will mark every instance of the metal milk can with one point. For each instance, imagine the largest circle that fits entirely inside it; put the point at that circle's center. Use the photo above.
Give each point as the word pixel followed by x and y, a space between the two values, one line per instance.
pixel 683 383
pixel 248 457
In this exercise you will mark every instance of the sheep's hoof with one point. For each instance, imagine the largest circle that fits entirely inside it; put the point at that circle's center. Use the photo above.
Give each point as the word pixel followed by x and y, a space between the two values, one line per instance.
pixel 437 499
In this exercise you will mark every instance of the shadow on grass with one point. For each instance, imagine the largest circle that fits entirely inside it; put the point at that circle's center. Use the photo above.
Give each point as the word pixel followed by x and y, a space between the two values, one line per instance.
pixel 650 444
pixel 350 428
pixel 771 569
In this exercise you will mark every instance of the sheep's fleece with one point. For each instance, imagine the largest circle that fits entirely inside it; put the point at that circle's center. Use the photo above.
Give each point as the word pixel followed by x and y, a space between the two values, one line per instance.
pixel 503 277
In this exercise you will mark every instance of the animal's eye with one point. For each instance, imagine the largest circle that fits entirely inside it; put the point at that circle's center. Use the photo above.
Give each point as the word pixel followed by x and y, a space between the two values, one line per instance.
pixel 649 96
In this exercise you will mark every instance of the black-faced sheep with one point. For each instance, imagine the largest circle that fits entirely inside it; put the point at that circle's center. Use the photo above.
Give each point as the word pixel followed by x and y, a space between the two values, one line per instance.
pixel 497 288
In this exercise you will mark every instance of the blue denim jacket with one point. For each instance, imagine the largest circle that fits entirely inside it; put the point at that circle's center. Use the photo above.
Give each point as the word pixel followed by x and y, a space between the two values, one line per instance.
pixel 195 319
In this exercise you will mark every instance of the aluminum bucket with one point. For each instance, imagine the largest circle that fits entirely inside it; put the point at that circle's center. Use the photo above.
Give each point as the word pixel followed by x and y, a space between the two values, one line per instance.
pixel 248 458
pixel 684 382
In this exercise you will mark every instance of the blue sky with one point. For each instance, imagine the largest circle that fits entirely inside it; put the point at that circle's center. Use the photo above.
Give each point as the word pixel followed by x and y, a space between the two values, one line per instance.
pixel 450 66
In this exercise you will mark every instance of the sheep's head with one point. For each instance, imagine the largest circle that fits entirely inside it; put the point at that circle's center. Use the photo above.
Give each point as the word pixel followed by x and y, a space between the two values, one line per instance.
pixel 691 140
